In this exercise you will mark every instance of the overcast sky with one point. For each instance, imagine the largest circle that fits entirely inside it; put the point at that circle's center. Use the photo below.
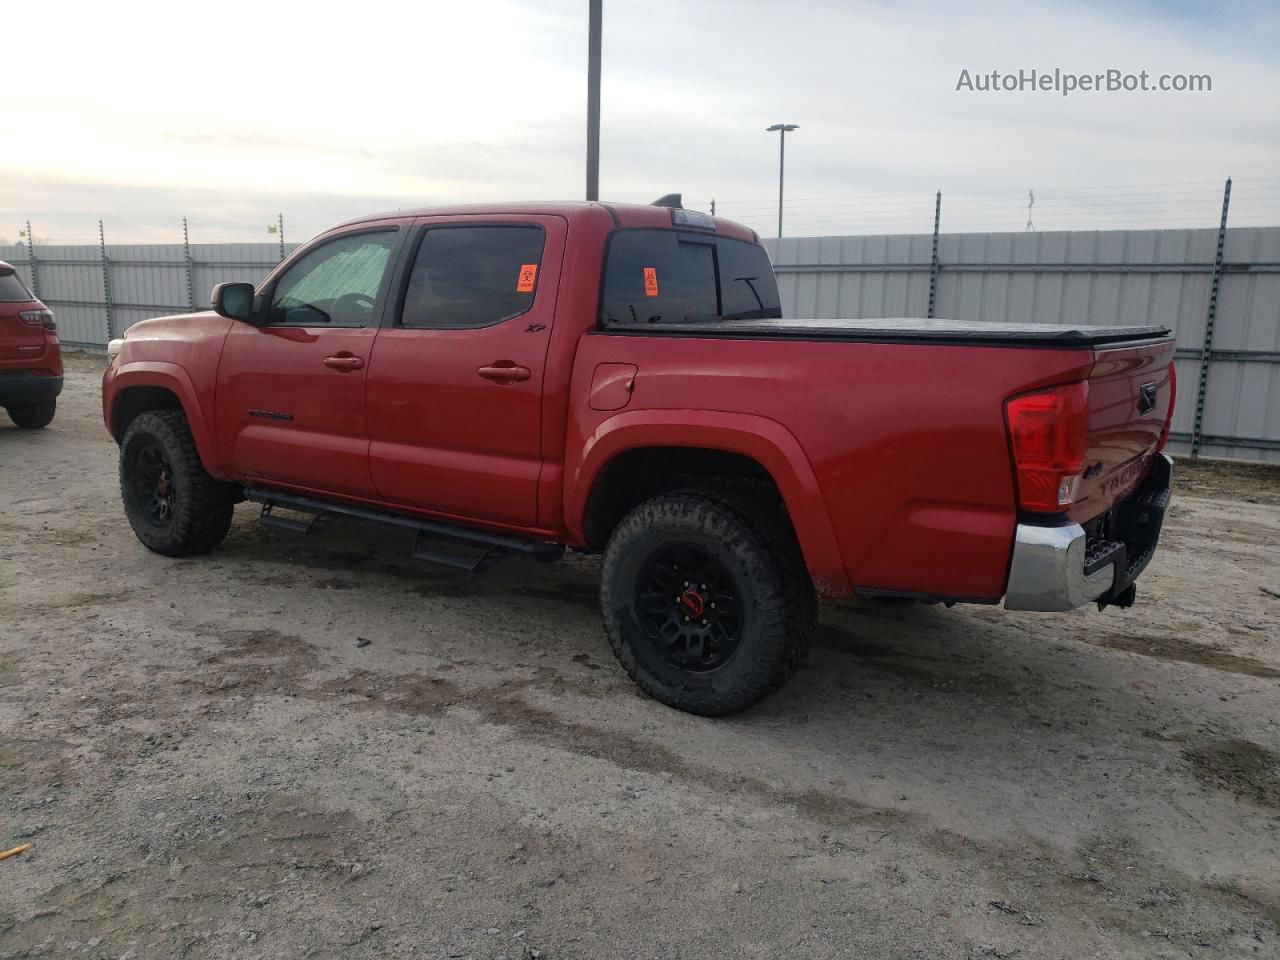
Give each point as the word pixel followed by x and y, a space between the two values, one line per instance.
pixel 144 112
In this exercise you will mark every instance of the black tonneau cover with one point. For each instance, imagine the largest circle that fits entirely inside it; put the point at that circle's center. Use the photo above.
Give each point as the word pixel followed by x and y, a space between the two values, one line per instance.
pixel 960 332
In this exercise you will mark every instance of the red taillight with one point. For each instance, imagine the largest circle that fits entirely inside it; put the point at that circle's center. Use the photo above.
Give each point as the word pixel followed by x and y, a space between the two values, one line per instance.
pixel 1168 419
pixel 1049 432
pixel 39 318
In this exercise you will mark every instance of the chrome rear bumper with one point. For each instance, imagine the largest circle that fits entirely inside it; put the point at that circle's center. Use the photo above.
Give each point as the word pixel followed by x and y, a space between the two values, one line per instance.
pixel 1052 568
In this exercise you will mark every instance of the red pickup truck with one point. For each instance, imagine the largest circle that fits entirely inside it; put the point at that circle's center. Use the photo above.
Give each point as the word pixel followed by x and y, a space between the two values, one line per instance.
pixel 618 379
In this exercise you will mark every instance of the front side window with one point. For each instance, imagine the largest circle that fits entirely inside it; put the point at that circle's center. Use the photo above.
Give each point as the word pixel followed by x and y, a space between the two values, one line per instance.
pixel 336 284
pixel 472 276
pixel 668 276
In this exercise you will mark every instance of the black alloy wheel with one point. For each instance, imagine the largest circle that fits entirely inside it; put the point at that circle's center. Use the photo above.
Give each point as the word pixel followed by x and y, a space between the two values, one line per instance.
pixel 689 607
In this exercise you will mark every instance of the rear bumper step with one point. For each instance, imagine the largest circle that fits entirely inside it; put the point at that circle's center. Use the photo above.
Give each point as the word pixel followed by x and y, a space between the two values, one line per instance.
pixel 473 550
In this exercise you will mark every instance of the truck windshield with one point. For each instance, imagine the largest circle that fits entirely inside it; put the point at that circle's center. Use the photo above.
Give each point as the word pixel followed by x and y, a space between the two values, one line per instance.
pixel 670 276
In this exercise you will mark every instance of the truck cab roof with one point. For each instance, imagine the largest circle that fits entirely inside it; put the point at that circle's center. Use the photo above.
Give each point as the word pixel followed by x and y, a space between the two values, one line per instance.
pixel 626 215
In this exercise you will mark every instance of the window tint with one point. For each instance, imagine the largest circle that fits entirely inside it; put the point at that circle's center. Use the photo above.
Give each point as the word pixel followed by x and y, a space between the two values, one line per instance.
pixel 12 290
pixel 472 276
pixel 335 284
pixel 748 288
pixel 666 276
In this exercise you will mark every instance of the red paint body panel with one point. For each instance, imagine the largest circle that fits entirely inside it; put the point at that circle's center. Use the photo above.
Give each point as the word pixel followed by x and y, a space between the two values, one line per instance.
pixel 596 438
pixel 913 478
pixel 179 354
pixel 1122 439
pixel 444 438
pixel 25 346
pixel 269 373
pixel 892 457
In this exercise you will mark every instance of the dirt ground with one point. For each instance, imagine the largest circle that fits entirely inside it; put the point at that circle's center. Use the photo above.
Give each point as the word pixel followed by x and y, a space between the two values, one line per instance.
pixel 208 765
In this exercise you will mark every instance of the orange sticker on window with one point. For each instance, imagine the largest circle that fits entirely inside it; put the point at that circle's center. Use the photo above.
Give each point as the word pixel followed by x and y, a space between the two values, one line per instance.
pixel 528 274
pixel 650 281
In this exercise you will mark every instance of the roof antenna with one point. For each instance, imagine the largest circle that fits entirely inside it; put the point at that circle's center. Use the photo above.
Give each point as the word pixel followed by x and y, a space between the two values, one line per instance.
pixel 670 200
pixel 1031 202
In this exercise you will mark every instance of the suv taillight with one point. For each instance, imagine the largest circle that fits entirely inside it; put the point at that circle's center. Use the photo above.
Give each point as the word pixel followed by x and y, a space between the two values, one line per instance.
pixel 1173 395
pixel 1049 433
pixel 39 318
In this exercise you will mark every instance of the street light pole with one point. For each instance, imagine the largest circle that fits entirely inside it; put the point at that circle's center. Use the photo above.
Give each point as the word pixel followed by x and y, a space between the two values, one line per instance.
pixel 593 99
pixel 782 129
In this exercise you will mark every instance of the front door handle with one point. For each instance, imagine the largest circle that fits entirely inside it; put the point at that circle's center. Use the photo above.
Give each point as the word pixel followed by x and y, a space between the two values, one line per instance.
pixel 504 372
pixel 344 362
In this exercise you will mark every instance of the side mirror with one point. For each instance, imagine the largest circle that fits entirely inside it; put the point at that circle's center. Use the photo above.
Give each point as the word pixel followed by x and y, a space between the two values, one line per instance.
pixel 234 301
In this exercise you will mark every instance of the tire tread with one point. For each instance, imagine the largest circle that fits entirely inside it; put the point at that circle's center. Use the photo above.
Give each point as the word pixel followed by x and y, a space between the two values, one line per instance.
pixel 204 518
pixel 785 594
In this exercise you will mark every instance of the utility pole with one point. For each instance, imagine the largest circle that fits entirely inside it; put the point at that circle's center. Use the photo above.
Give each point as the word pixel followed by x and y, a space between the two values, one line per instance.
pixel 593 99
pixel 783 129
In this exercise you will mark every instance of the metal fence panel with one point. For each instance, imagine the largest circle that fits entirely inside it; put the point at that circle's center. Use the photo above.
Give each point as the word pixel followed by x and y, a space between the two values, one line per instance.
pixel 1106 278
pixel 145 279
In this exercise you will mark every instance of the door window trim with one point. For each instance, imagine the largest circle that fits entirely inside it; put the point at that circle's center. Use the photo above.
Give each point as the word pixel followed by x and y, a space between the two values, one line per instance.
pixel 395 308
pixel 266 292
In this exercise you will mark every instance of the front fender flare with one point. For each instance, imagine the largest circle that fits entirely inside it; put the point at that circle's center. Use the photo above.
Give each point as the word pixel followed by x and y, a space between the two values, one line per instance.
pixel 766 441
pixel 175 379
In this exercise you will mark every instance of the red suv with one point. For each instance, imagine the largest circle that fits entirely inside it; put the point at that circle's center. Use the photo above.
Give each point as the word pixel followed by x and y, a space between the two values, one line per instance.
pixel 30 357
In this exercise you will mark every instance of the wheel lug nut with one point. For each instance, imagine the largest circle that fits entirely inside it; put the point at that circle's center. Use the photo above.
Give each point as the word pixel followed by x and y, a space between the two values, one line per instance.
pixel 704 623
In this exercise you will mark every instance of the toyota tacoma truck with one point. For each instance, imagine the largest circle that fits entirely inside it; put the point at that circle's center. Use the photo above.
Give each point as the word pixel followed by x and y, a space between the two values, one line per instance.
pixel 618 379
pixel 30 354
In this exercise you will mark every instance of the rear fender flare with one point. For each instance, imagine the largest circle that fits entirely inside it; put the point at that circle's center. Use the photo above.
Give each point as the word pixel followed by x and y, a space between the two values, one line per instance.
pixel 766 441
pixel 171 377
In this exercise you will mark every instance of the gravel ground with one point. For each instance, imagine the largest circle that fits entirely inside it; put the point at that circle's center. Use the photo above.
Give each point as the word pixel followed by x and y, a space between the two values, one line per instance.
pixel 208 764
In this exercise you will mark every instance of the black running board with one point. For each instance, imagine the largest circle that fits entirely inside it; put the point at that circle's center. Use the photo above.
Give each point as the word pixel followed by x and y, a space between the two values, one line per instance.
pixel 477 550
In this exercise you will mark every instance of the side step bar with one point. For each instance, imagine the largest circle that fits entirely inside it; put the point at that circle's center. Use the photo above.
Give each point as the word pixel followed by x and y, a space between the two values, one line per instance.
pixel 487 547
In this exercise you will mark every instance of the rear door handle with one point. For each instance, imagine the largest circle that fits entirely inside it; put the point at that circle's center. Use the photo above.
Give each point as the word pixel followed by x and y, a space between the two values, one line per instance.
pixel 344 362
pixel 504 372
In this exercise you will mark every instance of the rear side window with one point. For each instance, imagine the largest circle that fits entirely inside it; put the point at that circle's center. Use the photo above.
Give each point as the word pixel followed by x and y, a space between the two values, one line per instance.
pixel 666 276
pixel 472 276
pixel 12 290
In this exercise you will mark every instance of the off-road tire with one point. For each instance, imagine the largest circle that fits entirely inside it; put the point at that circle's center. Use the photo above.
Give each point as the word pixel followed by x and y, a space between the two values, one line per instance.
pixel 768 519
pixel 777 601
pixel 202 508
pixel 33 416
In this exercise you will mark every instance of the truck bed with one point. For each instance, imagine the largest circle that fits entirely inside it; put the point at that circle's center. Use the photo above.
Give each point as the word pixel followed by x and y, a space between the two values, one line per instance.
pixel 905 329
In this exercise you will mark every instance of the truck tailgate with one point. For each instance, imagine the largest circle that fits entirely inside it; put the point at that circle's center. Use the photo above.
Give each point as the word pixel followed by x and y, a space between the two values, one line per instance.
pixel 1131 390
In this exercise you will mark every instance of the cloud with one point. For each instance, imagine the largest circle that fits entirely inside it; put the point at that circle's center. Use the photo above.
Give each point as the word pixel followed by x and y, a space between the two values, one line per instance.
pixel 335 113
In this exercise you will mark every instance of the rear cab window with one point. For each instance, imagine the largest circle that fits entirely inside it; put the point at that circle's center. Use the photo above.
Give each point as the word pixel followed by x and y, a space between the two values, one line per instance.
pixel 12 289
pixel 674 276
